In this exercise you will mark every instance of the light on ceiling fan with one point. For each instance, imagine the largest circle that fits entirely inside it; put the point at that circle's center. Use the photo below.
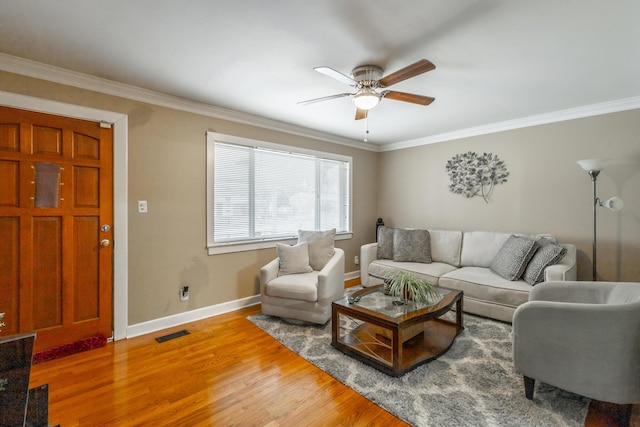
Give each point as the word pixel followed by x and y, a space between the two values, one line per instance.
pixel 366 99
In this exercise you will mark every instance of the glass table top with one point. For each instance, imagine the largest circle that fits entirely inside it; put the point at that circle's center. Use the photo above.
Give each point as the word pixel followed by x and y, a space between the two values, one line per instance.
pixel 391 306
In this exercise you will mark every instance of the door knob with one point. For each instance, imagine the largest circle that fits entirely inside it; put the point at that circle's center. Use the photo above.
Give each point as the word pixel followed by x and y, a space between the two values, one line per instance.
pixel 105 242
pixel 105 227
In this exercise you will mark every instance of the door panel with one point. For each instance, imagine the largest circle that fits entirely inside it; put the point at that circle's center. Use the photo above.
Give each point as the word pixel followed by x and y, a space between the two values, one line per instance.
pixel 9 279
pixel 47 141
pixel 9 137
pixel 86 268
pixel 86 187
pixel 56 190
pixel 10 194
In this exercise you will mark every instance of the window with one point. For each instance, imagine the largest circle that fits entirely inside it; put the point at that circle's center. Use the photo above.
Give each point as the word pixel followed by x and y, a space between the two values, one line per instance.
pixel 259 192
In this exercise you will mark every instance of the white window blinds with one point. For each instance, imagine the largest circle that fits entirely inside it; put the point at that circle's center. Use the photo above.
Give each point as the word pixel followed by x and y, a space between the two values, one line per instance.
pixel 266 193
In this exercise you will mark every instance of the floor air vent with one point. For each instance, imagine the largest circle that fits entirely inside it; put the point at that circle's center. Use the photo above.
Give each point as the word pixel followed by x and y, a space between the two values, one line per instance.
pixel 172 336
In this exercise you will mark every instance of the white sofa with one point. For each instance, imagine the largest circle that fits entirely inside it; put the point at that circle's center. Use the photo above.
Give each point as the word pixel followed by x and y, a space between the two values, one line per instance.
pixel 466 261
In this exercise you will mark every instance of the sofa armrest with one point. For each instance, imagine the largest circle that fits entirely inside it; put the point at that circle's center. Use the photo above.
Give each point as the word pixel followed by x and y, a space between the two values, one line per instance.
pixel 331 277
pixel 368 253
pixel 572 292
pixel 566 269
pixel 268 273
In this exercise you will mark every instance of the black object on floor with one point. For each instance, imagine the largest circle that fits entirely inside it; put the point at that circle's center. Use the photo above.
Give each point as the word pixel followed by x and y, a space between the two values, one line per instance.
pixel 38 406
pixel 172 336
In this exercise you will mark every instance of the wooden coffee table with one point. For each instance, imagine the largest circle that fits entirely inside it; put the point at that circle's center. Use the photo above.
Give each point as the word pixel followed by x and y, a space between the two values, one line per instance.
pixel 394 338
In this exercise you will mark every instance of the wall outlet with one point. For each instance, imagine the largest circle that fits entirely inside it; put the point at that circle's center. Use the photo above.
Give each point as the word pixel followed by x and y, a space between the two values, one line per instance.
pixel 142 207
pixel 356 259
pixel 184 293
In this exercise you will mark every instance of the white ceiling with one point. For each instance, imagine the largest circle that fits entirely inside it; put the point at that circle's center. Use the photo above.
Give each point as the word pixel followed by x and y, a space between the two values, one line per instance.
pixel 497 60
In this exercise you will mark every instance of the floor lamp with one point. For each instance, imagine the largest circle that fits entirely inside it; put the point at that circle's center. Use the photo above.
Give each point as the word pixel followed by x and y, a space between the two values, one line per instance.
pixel 593 168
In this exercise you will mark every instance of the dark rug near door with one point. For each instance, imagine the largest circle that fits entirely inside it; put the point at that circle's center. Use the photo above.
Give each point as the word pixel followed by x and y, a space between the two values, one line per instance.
pixel 69 349
pixel 473 384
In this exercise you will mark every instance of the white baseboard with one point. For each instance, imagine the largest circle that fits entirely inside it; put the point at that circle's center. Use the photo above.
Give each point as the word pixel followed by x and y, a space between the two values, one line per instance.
pixel 352 275
pixel 190 316
pixel 201 313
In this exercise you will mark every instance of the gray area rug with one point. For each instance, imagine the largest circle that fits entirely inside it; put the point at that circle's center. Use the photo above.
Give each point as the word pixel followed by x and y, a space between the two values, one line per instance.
pixel 473 384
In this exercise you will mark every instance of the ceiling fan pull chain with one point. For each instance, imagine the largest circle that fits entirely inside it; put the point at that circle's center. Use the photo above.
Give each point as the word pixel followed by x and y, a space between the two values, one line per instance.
pixel 366 127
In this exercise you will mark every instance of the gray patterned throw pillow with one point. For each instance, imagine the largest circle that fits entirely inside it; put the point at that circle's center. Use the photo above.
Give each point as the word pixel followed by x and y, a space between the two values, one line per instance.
pixel 548 254
pixel 412 246
pixel 513 257
pixel 385 242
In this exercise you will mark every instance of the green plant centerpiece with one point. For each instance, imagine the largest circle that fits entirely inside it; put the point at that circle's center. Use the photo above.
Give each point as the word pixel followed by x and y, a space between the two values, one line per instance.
pixel 409 287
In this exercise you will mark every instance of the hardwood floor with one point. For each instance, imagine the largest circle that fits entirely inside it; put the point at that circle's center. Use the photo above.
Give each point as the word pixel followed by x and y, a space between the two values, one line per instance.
pixel 226 372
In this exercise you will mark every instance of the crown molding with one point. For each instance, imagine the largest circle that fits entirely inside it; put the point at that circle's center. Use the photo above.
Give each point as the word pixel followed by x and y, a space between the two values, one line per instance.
pixel 38 70
pixel 25 67
pixel 540 119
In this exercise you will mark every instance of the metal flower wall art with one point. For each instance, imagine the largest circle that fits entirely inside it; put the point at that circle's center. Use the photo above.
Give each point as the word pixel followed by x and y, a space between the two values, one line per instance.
pixel 472 174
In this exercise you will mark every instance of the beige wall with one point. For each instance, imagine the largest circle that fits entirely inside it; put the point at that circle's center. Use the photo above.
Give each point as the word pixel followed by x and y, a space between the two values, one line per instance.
pixel 546 192
pixel 166 167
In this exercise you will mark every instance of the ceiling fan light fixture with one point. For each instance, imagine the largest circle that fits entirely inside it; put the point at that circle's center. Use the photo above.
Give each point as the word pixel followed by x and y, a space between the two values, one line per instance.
pixel 366 99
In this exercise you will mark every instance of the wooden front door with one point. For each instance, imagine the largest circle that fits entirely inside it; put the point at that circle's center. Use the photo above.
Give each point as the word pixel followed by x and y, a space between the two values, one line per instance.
pixel 56 220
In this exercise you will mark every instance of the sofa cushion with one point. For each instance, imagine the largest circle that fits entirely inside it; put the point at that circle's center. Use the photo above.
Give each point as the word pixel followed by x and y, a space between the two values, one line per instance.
pixel 385 242
pixel 445 246
pixel 411 245
pixel 547 254
pixel 321 245
pixel 482 284
pixel 479 248
pixel 298 287
pixel 385 269
pixel 513 257
pixel 293 259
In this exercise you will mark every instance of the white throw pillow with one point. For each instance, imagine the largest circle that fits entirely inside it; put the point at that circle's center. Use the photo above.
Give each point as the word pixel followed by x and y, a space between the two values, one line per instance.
pixel 321 245
pixel 293 259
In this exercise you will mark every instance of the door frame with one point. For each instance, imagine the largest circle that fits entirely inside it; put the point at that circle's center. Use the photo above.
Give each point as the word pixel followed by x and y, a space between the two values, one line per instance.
pixel 119 122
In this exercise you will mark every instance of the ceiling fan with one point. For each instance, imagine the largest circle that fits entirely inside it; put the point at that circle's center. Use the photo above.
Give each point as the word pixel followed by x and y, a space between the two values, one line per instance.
pixel 368 82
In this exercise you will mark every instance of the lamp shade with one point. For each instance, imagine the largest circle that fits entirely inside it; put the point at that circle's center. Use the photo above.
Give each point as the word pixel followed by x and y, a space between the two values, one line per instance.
pixel 592 164
pixel 614 203
pixel 366 99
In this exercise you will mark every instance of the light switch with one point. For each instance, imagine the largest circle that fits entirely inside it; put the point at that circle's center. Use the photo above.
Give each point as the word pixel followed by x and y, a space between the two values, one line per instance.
pixel 142 206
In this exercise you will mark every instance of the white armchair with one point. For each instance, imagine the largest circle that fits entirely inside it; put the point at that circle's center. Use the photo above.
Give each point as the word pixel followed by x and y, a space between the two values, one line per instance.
pixel 303 297
pixel 583 337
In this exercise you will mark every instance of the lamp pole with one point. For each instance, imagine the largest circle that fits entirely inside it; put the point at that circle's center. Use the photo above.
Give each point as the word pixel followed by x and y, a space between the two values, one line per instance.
pixel 594 177
pixel 593 168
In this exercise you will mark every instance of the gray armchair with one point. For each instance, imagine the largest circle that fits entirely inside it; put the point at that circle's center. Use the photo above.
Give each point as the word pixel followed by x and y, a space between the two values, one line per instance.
pixel 305 296
pixel 583 337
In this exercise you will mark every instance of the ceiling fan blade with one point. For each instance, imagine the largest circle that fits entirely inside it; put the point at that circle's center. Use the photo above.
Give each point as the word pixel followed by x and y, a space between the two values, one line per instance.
pixel 407 72
pixel 361 114
pixel 330 72
pixel 324 98
pixel 408 97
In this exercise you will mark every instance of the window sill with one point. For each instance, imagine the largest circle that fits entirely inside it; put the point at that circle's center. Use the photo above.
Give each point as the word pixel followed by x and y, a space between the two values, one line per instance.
pixel 226 248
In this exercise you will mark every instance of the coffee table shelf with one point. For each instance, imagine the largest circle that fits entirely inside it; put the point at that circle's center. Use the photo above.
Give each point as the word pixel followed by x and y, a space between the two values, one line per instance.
pixel 394 339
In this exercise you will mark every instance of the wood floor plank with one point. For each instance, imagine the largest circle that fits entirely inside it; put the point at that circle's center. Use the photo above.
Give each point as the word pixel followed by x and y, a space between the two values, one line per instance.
pixel 226 372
